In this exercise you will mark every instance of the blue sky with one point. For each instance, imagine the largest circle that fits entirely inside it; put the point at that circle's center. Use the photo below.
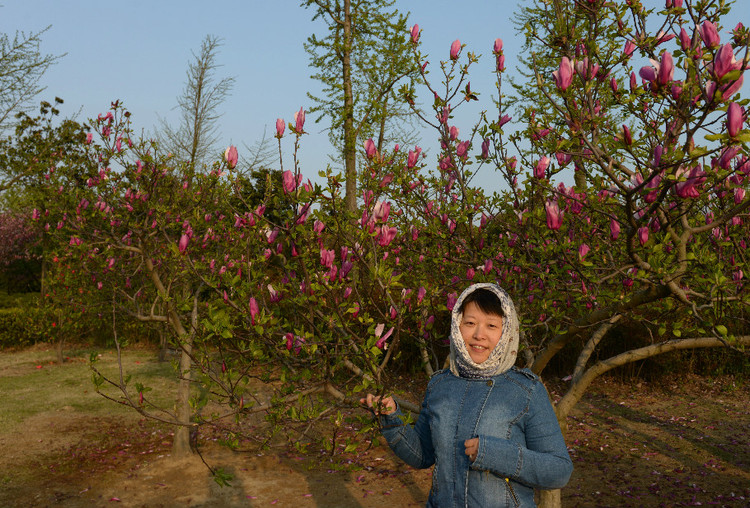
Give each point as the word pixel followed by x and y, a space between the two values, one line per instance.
pixel 138 51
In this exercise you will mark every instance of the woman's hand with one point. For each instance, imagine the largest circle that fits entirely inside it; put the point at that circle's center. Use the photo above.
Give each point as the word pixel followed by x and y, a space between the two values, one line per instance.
pixel 472 447
pixel 381 405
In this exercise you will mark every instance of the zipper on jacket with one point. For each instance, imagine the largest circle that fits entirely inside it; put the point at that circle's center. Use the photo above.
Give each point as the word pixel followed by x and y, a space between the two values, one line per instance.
pixel 512 492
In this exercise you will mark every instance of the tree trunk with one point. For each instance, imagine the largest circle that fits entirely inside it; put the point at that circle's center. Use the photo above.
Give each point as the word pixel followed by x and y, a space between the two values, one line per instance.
pixel 578 388
pixel 557 343
pixel 550 499
pixel 163 345
pixel 181 442
pixel 350 153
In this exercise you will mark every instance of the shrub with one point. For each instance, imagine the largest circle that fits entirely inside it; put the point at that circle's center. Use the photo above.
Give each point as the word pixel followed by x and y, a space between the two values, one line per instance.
pixel 22 326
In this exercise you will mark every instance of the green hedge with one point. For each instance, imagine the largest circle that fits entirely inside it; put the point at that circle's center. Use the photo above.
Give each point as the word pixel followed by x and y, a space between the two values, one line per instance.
pixel 22 326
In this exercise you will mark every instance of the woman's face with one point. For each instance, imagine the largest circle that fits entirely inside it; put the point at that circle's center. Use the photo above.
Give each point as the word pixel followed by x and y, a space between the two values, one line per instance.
pixel 481 331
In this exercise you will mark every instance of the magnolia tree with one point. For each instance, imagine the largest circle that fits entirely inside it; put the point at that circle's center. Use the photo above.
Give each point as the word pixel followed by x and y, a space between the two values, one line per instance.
pixel 653 232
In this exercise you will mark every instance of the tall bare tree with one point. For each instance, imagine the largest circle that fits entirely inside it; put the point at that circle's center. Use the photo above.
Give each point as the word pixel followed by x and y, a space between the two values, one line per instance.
pixel 196 135
pixel 22 66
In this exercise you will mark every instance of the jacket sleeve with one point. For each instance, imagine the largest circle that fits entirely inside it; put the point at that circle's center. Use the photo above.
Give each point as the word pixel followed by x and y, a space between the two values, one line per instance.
pixel 543 463
pixel 412 443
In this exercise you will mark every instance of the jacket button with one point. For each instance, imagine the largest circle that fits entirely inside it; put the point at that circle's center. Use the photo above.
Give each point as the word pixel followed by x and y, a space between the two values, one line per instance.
pixel 489 383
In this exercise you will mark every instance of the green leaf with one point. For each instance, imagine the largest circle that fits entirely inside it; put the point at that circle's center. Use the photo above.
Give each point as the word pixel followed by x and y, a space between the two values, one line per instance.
pixel 722 330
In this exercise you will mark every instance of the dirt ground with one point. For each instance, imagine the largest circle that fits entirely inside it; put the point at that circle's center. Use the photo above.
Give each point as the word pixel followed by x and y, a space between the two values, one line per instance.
pixel 660 446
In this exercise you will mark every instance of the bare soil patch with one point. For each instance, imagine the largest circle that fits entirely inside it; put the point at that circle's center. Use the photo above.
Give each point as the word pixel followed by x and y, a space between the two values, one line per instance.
pixel 684 444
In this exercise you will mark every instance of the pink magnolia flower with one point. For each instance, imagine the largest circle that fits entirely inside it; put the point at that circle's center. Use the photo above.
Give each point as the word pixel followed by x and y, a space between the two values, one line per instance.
pixel 503 120
pixel 498 46
pixel 487 266
pixel 500 63
pixel 327 257
pixel 662 37
pixel 661 72
pixel 540 171
pixel 643 235
pixel 737 275
pixel 586 69
pixel 666 69
pixel 183 243
pixel 739 195
pixel 455 49
pixel 614 229
pixel 346 267
pixel 89 138
pixel 486 148
pixel 386 236
pixel 725 62
pixel 413 157
pixel 254 309
pixel 35 215
pixel 318 226
pixel 381 341
pixel 288 181
pixel 451 301
pixel 628 49
pixel 648 73
pixel 564 74
pixel 726 90
pixel 299 121
pixel 627 136
pixel 381 210
pixel 280 126
pixel 370 149
pixel 230 155
pixel 462 149
pixel 710 35
pixel 688 188
pixel 415 34
pixel 554 215
pixel 453 132
pixel 685 41
pixel 734 119
pixel 583 250
pixel 271 235
pixel 421 292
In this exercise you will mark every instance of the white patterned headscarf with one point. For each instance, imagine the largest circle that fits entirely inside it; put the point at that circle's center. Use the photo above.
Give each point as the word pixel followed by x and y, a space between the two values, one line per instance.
pixel 502 357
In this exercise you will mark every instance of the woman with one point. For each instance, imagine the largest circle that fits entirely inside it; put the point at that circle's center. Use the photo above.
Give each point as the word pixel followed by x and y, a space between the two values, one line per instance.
pixel 488 427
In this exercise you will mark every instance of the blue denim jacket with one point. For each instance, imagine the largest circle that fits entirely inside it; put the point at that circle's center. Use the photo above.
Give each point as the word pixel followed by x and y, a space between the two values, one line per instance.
pixel 520 443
